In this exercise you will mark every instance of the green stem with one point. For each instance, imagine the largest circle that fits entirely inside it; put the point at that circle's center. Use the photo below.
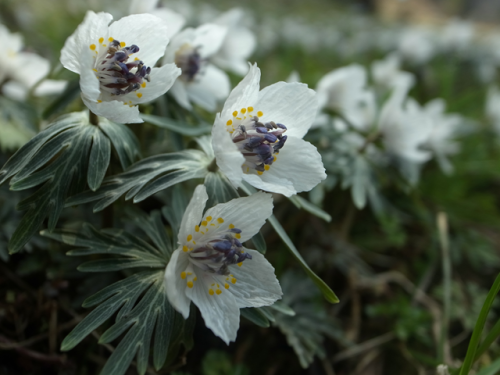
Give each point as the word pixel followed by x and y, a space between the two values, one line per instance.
pixel 93 119
pixel 488 340
pixel 442 224
pixel 478 329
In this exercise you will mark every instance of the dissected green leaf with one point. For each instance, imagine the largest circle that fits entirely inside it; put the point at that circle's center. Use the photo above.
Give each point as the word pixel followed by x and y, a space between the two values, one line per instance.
pixel 256 316
pixel 146 178
pixel 57 159
pixel 139 301
pixel 304 330
pixel 310 207
pixel 219 189
pixel 176 126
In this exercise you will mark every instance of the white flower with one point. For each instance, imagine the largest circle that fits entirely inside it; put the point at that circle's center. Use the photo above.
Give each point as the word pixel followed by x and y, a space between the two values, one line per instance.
pixel 238 44
pixel 23 70
pixel 200 82
pixel 258 136
pixel 405 128
pixel 213 269
pixel 416 45
pixel 174 20
pixel 443 129
pixel 116 61
pixel 457 35
pixel 344 90
pixel 387 73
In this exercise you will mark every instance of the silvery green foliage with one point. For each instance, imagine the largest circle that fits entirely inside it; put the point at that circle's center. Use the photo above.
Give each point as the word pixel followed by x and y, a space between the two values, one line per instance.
pixel 139 300
pixel 64 158
pixel 306 328
pixel 146 178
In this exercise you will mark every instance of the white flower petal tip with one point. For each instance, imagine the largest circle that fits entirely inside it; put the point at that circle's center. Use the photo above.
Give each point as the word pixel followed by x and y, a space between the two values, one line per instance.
pixel 213 269
pixel 115 63
pixel 258 136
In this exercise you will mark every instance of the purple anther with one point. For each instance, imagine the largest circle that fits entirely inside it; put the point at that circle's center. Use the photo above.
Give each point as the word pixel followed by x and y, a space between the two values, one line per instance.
pixel 270 138
pixel 269 160
pixel 230 255
pixel 281 143
pixel 133 48
pixel 235 230
pixel 261 130
pixel 222 246
pixel 243 256
pixel 237 243
pixel 254 142
pixel 263 149
pixel 281 126
pixel 269 126
pixel 123 67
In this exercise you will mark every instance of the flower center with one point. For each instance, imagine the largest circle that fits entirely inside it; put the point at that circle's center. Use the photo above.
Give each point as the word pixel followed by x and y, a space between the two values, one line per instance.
pixel 258 142
pixel 188 59
pixel 218 254
pixel 117 75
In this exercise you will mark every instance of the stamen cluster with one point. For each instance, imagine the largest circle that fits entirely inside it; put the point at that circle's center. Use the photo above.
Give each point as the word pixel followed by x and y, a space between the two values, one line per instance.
pixel 216 255
pixel 117 76
pixel 189 60
pixel 259 143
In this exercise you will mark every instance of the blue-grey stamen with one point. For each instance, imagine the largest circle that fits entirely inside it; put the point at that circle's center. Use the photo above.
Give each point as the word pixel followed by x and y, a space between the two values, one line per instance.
pixel 258 142
pixel 189 60
pixel 218 254
pixel 116 75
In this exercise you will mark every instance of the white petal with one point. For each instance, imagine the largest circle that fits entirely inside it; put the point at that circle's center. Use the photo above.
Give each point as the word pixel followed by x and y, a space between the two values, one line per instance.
pixel 174 20
pixel 15 90
pixel 220 312
pixel 175 285
pixel 298 167
pixel 50 87
pixel 162 79
pixel 229 159
pixel 236 49
pixel 192 215
pixel 248 214
pixel 210 86
pixel 146 31
pixel 244 94
pixel 115 111
pixel 256 284
pixel 93 27
pixel 209 38
pixel 89 83
pixel 291 104
pixel 179 92
pixel 186 36
pixel 31 69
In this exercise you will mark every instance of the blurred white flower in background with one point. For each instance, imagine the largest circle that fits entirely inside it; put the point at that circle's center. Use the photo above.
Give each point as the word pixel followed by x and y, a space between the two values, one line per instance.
pixel 212 268
pixel 387 73
pixel 405 128
pixel 21 71
pixel 344 91
pixel 174 20
pixel 444 127
pixel 457 35
pixel 238 44
pixel 417 45
pixel 200 82
pixel 258 136
pixel 116 63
